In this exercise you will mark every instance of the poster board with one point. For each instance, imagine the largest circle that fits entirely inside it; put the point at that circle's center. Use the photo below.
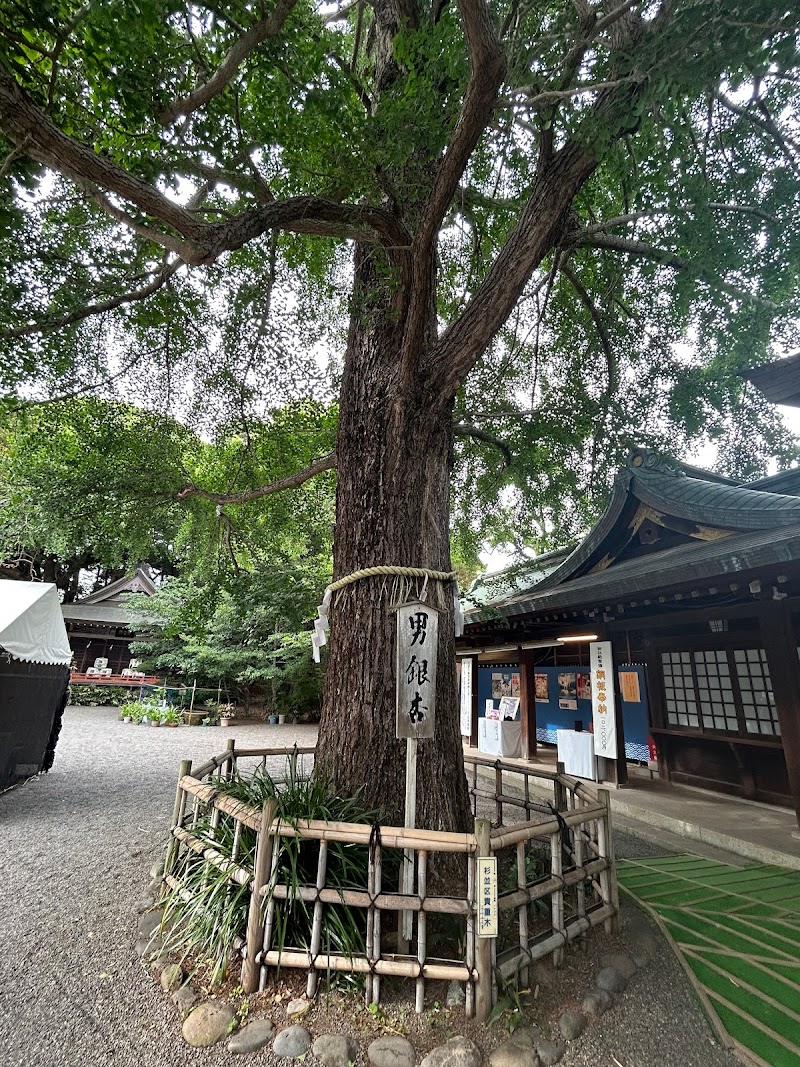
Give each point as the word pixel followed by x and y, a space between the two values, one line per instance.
pixel 603 702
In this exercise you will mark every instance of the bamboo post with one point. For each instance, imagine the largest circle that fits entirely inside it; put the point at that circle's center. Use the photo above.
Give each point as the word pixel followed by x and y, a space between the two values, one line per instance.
pixel 498 792
pixel 559 791
pixel 194 691
pixel 370 936
pixel 410 822
pixel 483 945
pixel 377 882
pixel 608 877
pixel 522 911
pixel 255 922
pixel 581 886
pixel 230 748
pixel 422 929
pixel 557 898
pixel 472 894
pixel 178 809
pixel 316 926
pixel 270 919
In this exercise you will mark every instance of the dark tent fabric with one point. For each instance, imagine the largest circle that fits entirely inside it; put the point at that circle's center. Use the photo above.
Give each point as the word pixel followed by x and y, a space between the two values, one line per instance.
pixel 34 678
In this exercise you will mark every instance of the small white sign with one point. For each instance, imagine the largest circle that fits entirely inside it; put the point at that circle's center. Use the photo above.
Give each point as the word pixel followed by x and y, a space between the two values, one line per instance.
pixel 487 896
pixel 101 663
pixel 417 647
pixel 603 704
pixel 509 706
pixel 466 696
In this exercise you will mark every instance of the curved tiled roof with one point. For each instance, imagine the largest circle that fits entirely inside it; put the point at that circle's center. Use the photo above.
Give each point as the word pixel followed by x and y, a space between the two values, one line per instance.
pixel 677 490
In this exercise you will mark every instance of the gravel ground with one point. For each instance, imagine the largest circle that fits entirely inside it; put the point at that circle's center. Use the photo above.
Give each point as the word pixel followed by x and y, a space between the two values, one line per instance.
pixel 79 845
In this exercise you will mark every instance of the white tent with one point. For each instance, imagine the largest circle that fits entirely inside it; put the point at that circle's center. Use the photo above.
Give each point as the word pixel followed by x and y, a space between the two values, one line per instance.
pixel 31 624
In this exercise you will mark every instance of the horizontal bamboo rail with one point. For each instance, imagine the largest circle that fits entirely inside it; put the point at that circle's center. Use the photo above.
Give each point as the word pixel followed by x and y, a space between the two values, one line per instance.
pixel 212 856
pixel 528 831
pixel 446 972
pixel 573 830
pixel 508 966
pixel 527 895
pixel 384 901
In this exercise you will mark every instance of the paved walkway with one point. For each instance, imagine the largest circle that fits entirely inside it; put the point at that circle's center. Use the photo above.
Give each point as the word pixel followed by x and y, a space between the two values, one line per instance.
pixel 78 845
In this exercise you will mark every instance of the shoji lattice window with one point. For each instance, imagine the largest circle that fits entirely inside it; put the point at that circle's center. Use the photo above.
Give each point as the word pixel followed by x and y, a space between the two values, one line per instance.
pixel 729 691
pixel 679 689
pixel 755 684
pixel 715 690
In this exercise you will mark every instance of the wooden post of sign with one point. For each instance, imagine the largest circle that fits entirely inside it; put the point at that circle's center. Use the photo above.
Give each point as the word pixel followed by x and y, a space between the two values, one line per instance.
pixel 407 924
pixel 194 690
pixel 483 945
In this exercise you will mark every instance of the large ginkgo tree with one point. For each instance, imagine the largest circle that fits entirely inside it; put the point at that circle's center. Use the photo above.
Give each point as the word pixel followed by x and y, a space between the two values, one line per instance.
pixel 494 179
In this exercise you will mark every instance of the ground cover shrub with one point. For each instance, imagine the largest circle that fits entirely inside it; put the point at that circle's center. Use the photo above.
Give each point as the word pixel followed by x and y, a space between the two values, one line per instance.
pixel 103 695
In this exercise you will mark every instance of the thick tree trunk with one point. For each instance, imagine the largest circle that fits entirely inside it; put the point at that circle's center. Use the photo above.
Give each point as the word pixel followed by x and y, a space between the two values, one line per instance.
pixel 394 453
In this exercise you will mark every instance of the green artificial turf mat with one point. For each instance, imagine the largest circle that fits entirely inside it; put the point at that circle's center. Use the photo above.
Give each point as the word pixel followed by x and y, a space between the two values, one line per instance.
pixel 739 931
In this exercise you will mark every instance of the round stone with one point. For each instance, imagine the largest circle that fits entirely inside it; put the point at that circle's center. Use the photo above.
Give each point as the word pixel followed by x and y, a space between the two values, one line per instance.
pixel 184 999
pixel 157 869
pixel 550 1052
pixel 572 1024
pixel 252 1037
pixel 155 886
pixel 514 1053
pixel 208 1024
pixel 597 1002
pixel 455 994
pixel 621 962
pixel 145 904
pixel 298 1007
pixel 641 959
pixel 293 1042
pixel 391 1052
pixel 458 1052
pixel 335 1050
pixel 171 977
pixel 612 980
pixel 149 923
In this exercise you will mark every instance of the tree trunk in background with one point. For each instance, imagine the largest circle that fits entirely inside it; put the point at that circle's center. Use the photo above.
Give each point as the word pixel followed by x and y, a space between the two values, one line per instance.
pixel 394 452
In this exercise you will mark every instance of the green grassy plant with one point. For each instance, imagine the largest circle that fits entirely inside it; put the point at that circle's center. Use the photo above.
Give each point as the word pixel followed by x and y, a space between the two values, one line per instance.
pixel 211 913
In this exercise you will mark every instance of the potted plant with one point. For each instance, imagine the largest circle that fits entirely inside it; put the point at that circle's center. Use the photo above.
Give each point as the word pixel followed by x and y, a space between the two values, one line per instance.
pixel 227 714
pixel 170 717
pixel 272 719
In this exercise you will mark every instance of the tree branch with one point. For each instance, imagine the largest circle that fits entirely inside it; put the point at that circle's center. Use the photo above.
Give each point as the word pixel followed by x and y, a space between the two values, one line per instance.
pixel 324 463
pixel 269 26
pixel 465 429
pixel 69 319
pixel 539 229
pixel 545 99
pixel 24 123
pixel 669 259
pixel 487 70
pixel 600 326
pixel 365 223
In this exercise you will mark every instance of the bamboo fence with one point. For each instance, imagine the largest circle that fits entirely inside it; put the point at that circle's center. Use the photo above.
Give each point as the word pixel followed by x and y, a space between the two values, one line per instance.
pixel 578 888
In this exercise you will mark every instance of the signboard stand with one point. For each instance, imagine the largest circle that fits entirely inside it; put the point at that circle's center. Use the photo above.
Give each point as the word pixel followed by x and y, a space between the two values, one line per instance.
pixel 604 717
pixel 417 647
pixel 410 822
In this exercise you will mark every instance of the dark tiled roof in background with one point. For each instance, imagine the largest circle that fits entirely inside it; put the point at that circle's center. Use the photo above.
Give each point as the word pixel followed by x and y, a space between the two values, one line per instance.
pixel 779 381
pixel 670 567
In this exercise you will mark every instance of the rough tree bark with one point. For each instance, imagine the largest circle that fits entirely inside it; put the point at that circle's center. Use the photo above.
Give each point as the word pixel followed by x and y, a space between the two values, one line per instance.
pixel 394 454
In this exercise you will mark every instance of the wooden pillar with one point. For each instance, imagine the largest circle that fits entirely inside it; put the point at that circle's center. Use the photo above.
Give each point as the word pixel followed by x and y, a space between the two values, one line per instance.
pixel 527 702
pixel 780 646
